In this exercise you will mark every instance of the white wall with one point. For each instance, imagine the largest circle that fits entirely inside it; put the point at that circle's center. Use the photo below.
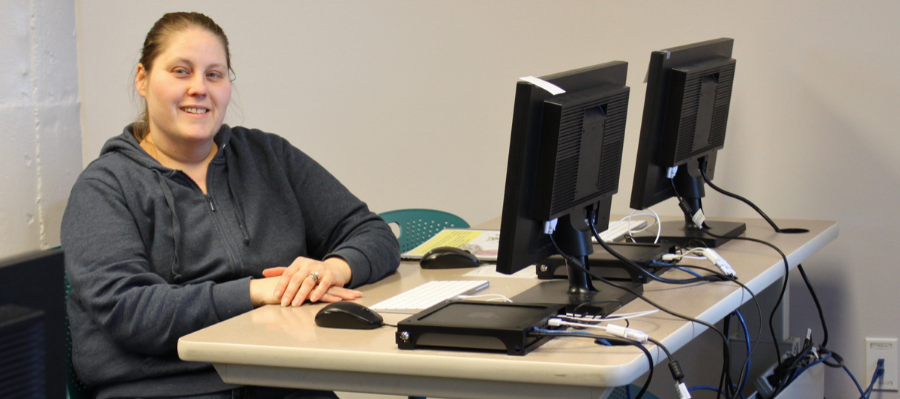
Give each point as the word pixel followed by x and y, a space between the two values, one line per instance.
pixel 39 121
pixel 409 103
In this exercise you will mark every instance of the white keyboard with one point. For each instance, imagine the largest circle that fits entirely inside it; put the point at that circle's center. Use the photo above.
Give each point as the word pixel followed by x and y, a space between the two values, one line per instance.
pixel 428 295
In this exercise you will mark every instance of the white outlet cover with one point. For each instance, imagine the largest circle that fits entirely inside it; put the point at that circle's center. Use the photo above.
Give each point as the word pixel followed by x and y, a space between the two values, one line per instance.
pixel 881 348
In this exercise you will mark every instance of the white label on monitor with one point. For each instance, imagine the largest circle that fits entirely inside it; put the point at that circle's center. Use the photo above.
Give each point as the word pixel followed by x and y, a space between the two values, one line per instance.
pixel 699 218
pixel 550 87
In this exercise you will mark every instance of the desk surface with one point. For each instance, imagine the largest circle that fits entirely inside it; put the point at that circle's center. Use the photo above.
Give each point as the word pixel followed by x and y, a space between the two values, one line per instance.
pixel 283 347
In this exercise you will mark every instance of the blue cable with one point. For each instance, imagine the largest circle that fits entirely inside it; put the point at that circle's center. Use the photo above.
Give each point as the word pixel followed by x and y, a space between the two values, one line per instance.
pixel 688 271
pixel 705 388
pixel 628 391
pixel 863 394
pixel 822 359
pixel 875 375
pixel 747 336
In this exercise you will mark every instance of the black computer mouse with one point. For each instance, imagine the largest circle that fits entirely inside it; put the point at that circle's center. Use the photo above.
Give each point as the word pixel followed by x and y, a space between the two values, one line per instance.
pixel 448 258
pixel 348 315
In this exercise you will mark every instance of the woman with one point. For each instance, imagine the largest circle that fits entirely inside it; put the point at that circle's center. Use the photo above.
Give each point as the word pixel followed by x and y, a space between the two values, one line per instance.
pixel 182 222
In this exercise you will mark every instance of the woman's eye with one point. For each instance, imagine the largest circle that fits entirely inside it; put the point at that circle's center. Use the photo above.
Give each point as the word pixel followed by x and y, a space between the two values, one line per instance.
pixel 214 75
pixel 181 71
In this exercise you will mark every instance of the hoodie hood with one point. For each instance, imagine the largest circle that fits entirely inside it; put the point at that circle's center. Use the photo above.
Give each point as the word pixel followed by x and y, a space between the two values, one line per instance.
pixel 127 145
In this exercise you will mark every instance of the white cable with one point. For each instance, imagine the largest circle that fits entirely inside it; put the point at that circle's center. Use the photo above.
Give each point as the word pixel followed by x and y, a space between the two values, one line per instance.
pixel 708 254
pixel 619 316
pixel 631 232
pixel 612 329
pixel 655 216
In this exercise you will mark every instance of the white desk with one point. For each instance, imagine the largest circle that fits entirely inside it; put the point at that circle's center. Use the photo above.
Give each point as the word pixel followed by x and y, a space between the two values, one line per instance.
pixel 282 346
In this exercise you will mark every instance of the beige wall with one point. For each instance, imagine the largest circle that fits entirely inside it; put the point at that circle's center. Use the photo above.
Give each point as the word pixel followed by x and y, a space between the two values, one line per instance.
pixel 409 103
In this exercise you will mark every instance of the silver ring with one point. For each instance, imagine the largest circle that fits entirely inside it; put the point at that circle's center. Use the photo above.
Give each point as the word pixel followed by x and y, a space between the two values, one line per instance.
pixel 314 276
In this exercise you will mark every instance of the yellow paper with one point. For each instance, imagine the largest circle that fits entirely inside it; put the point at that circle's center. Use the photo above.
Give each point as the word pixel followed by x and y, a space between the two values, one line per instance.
pixel 446 238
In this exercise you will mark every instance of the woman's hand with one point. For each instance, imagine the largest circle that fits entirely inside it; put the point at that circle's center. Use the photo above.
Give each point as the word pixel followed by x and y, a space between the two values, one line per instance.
pixel 296 283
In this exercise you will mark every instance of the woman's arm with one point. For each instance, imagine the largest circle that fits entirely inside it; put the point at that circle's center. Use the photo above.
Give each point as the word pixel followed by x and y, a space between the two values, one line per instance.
pixel 337 223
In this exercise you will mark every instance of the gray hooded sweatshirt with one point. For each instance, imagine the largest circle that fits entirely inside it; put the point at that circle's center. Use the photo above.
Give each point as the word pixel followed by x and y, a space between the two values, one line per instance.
pixel 152 258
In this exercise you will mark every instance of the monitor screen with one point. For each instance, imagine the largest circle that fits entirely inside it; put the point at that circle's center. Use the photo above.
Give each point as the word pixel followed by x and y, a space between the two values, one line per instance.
pixel 683 126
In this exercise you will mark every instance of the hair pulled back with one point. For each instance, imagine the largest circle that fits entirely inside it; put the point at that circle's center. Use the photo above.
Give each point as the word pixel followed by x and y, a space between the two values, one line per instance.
pixel 159 36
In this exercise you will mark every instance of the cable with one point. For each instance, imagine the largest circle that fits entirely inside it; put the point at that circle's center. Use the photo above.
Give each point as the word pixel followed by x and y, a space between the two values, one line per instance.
pixel 749 351
pixel 642 270
pixel 815 298
pixel 581 267
pixel 787 273
pixel 621 341
pixel 751 348
pixel 735 196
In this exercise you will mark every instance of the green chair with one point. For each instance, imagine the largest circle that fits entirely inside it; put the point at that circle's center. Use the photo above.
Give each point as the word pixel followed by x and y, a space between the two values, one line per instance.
pixel 76 388
pixel 418 225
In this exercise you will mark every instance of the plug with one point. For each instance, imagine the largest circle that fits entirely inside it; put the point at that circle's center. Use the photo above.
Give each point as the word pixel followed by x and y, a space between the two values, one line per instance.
pixel 683 392
pixel 719 261
pixel 550 227
pixel 671 257
pixel 629 333
pixel 879 369
pixel 670 173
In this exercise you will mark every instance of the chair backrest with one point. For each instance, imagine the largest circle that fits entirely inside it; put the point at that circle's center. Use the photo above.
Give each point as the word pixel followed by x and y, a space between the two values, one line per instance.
pixel 418 225
pixel 76 388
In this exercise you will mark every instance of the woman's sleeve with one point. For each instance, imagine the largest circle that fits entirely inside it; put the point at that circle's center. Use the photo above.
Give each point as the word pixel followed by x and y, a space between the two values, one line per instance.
pixel 108 266
pixel 337 222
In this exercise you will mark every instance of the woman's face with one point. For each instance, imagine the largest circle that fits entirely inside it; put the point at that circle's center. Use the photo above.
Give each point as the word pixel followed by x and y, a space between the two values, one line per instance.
pixel 188 89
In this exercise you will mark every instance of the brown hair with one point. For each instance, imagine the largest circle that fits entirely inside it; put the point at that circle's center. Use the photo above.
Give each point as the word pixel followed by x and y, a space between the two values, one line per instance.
pixel 157 38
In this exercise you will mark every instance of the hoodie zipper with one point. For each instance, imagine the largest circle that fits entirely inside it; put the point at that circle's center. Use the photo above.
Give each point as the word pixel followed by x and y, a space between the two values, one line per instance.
pixel 212 208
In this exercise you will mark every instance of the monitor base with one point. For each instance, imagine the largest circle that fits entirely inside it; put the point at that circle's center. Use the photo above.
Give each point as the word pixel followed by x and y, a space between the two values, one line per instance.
pixel 679 234
pixel 605 265
pixel 604 301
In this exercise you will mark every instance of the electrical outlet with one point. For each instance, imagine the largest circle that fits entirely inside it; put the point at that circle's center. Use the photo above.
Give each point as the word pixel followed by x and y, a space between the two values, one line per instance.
pixel 882 348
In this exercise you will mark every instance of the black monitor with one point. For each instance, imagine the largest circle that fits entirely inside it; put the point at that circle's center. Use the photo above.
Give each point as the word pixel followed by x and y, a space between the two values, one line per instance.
pixel 565 155
pixel 33 326
pixel 684 123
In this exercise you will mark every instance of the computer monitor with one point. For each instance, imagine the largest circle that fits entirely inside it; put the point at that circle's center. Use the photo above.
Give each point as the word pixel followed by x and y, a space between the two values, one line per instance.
pixel 565 155
pixel 33 326
pixel 685 117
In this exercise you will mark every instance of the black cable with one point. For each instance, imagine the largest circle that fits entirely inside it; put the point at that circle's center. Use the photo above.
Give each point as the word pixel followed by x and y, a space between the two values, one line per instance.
pixel 787 272
pixel 618 340
pixel 758 315
pixel 725 378
pixel 641 269
pixel 735 196
pixel 578 265
pixel 818 306
pixel 663 347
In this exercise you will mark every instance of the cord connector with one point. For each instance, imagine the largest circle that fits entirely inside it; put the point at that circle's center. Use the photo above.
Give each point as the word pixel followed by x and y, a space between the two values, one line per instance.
pixel 670 173
pixel 683 392
pixel 628 333
pixel 550 227
pixel 719 261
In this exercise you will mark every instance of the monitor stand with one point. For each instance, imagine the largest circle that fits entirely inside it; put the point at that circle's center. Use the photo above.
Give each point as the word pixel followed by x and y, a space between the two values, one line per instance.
pixel 579 291
pixel 684 235
pixel 690 192
pixel 603 301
